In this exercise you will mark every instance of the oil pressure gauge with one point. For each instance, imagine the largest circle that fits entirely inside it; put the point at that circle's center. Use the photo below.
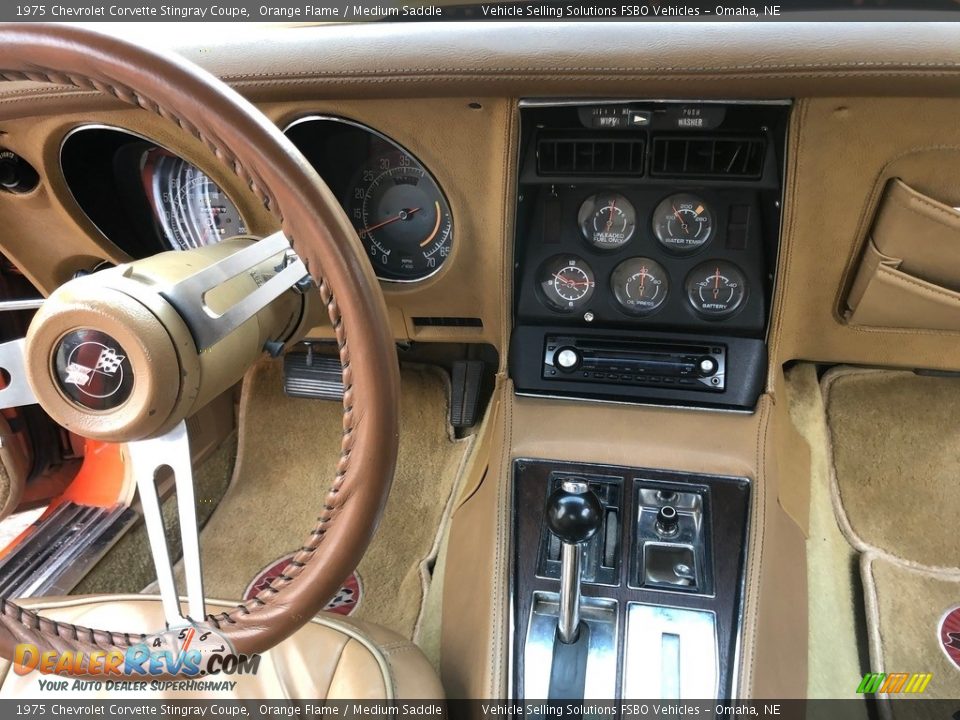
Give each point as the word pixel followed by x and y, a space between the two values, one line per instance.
pixel 607 220
pixel 640 285
pixel 566 283
pixel 716 289
pixel 683 223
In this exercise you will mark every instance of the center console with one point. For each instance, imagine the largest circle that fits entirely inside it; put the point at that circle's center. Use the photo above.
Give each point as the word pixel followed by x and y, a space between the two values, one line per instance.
pixel 646 247
pixel 658 582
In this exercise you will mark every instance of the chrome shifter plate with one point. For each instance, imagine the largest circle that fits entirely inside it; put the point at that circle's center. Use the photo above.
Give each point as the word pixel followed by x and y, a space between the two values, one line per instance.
pixel 601 675
pixel 670 653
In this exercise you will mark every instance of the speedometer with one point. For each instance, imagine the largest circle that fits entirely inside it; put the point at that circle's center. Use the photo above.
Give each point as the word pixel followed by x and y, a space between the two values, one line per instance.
pixel 401 216
pixel 191 209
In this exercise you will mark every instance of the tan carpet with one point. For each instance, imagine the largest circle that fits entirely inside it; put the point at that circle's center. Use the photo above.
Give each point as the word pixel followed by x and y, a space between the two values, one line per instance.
pixel 896 453
pixel 905 605
pixel 836 627
pixel 895 444
pixel 288 449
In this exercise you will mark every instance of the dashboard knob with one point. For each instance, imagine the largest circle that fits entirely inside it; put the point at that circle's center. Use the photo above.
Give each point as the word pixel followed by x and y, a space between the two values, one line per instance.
pixel 668 521
pixel 567 359
pixel 706 366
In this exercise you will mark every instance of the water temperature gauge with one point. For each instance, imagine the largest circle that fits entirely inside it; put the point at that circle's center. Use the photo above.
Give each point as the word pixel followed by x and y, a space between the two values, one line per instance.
pixel 716 289
pixel 640 285
pixel 566 283
pixel 683 223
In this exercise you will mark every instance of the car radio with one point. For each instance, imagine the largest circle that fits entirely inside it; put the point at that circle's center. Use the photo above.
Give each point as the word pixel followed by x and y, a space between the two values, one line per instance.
pixel 692 365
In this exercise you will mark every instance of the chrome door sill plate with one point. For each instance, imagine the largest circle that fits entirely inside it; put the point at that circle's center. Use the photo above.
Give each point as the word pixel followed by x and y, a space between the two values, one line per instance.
pixel 62 549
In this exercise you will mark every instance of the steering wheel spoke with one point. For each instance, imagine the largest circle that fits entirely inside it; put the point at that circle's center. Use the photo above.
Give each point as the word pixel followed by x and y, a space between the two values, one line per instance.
pixel 17 391
pixel 207 326
pixel 147 458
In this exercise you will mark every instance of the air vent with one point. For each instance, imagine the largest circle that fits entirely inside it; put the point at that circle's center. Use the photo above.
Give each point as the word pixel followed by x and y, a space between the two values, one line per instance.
pixel 447 322
pixel 707 156
pixel 590 155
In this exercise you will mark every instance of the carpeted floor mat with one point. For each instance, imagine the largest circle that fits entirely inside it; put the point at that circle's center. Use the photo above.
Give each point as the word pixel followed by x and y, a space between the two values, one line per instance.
pixel 905 606
pixel 894 440
pixel 896 456
pixel 288 451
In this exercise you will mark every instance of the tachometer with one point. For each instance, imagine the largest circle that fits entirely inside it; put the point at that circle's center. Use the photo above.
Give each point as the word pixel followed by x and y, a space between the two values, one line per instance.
pixel 402 217
pixel 192 210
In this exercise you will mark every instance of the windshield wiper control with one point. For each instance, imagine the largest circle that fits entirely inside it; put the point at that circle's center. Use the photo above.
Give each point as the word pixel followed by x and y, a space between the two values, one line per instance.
pixel 573 514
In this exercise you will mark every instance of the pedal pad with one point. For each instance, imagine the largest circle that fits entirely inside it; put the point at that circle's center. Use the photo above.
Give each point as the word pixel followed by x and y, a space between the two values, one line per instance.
pixel 466 379
pixel 312 376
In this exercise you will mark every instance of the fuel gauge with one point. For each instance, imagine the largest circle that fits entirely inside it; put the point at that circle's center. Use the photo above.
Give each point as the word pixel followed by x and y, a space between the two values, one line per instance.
pixel 607 220
pixel 716 289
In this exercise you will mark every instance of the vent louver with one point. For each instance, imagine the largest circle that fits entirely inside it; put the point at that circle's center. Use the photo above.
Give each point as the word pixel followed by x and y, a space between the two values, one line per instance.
pixel 573 155
pixel 448 322
pixel 707 156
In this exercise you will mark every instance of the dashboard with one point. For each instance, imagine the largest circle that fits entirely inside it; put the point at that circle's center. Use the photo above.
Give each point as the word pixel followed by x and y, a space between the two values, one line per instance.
pixel 468 130
pixel 647 237
pixel 647 233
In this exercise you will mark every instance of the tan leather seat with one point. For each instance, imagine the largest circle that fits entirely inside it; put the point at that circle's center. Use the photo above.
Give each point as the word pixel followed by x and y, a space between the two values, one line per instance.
pixel 331 657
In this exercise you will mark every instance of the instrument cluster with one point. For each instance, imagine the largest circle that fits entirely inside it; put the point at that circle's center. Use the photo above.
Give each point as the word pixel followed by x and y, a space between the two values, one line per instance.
pixel 675 257
pixel 682 225
pixel 147 199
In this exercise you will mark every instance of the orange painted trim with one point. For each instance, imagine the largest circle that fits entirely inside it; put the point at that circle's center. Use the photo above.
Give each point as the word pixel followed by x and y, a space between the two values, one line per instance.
pixel 100 479
pixel 99 482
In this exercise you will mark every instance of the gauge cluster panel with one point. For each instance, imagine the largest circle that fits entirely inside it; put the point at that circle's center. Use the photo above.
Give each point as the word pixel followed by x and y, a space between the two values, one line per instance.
pixel 646 222
pixel 146 199
pixel 676 258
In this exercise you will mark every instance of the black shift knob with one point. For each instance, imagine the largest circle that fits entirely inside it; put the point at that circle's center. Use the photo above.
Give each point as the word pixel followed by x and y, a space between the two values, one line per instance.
pixel 573 512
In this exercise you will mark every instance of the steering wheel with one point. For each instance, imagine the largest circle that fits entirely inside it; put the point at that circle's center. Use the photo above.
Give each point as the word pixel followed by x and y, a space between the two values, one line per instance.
pixel 128 353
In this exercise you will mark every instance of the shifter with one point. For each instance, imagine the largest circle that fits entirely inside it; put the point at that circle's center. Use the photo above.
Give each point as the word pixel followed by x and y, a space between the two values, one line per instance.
pixel 573 514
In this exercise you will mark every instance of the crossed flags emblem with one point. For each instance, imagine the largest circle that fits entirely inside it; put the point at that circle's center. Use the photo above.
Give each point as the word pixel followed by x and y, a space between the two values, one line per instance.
pixel 107 363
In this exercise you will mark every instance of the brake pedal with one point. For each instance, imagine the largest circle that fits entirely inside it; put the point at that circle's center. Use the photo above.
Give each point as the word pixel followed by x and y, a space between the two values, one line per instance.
pixel 312 376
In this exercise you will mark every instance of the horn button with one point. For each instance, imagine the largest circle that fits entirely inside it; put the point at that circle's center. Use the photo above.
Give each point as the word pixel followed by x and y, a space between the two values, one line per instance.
pixel 108 365
pixel 93 369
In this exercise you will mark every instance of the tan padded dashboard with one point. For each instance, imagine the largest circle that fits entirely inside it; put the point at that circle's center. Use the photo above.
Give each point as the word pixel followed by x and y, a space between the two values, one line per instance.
pixel 864 96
